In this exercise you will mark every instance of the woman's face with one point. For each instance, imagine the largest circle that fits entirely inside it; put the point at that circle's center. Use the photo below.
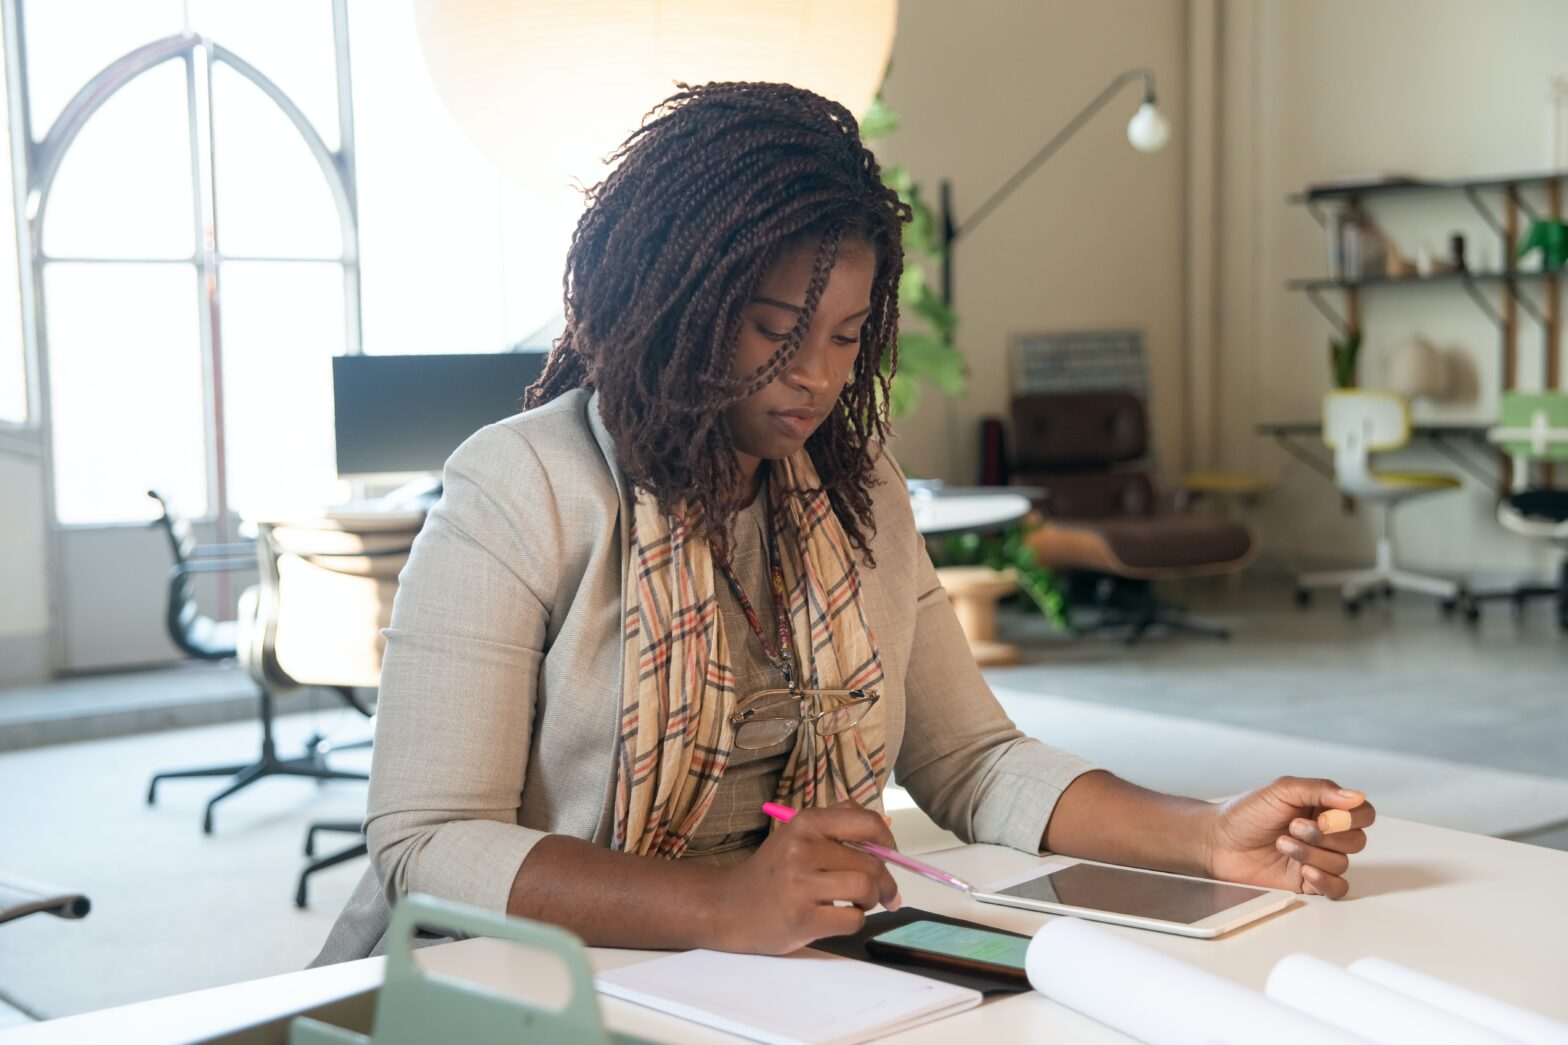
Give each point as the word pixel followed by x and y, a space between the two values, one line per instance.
pixel 776 421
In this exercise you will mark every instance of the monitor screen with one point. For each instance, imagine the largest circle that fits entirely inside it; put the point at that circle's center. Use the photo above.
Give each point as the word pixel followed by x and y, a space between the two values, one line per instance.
pixel 398 415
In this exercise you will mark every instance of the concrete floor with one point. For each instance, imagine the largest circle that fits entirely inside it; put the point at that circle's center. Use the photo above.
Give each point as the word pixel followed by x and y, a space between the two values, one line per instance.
pixel 1398 677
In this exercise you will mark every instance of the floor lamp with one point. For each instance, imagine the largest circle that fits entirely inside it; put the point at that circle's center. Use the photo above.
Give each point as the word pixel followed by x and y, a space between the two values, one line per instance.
pixel 1147 131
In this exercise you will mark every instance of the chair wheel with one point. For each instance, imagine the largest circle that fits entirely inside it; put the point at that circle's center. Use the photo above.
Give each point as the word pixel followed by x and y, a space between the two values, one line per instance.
pixel 1472 612
pixel 1351 606
pixel 1448 606
pixel 1303 597
pixel 1386 591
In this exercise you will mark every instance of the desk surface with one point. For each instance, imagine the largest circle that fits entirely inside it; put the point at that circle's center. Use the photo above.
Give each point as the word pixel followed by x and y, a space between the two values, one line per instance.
pixel 1478 911
pixel 978 512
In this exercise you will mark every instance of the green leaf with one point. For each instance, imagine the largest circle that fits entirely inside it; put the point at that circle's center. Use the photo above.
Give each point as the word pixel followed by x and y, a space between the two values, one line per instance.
pixel 923 235
pixel 903 395
pixel 879 121
pixel 916 297
pixel 932 359
pixel 899 180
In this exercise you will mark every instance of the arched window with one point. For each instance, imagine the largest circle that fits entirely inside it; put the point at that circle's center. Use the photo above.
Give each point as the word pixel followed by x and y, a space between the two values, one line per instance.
pixel 193 249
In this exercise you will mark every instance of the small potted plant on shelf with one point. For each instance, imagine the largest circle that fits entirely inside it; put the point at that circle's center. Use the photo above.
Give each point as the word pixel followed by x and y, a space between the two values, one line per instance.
pixel 1550 237
pixel 1342 353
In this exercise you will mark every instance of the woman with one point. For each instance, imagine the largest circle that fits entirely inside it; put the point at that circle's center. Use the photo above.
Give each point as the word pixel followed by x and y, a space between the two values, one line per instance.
pixel 687 580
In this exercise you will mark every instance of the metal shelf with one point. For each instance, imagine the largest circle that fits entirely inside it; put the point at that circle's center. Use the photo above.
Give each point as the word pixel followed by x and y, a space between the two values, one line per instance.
pixel 1442 277
pixel 1316 193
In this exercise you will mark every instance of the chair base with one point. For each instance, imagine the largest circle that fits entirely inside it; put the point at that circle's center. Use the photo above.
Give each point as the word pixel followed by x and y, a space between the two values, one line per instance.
pixel 312 765
pixel 1132 604
pixel 1520 595
pixel 331 859
pixel 1383 578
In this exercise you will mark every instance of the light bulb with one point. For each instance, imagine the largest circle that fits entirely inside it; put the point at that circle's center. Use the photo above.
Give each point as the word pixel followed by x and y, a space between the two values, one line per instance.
pixel 1148 130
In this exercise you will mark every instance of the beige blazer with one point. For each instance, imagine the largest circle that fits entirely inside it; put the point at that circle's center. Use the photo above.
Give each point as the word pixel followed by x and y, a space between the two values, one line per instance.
pixel 501 687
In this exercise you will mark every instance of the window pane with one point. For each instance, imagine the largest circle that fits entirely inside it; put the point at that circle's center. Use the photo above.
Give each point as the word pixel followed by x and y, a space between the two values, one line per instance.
pixel 282 324
pixel 62 56
pixel 13 355
pixel 273 199
pixel 124 188
pixel 288 41
pixel 125 387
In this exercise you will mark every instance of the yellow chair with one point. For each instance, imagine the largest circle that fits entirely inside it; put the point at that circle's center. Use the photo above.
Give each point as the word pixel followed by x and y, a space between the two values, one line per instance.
pixel 1358 423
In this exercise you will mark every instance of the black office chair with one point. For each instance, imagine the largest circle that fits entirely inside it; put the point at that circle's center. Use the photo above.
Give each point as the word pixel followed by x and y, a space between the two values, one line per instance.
pixel 348 852
pixel 208 639
pixel 195 633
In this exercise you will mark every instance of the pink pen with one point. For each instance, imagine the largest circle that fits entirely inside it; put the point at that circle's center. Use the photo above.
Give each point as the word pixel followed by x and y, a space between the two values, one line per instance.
pixel 784 814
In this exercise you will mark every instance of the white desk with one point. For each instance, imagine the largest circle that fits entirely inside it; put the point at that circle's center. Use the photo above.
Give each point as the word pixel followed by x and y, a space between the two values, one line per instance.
pixel 983 511
pixel 1477 911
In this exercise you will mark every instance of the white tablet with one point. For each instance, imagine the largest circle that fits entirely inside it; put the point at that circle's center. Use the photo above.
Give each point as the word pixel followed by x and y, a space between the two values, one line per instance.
pixel 1170 903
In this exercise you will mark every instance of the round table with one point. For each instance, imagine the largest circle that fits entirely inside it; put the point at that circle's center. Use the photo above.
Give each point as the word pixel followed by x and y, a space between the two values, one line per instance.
pixel 974 590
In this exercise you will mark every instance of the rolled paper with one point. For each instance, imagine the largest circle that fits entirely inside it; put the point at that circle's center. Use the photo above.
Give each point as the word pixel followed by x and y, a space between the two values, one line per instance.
pixel 1371 1010
pixel 1482 1009
pixel 1332 821
pixel 1158 999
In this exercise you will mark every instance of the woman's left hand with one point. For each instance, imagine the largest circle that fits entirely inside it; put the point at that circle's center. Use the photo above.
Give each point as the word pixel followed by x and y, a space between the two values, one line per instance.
pixel 1292 834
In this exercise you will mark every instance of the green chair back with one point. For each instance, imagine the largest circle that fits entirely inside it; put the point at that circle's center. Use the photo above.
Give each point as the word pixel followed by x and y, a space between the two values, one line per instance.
pixel 1533 425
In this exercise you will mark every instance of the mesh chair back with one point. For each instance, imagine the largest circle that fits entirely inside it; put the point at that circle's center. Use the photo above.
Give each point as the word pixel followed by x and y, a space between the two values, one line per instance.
pixel 192 632
pixel 1376 420
pixel 1534 425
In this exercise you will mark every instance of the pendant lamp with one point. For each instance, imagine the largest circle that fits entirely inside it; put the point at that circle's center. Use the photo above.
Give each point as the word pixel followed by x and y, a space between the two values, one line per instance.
pixel 548 88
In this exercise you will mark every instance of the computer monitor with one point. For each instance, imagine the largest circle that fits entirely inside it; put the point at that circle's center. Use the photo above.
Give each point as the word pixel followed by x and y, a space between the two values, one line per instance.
pixel 404 415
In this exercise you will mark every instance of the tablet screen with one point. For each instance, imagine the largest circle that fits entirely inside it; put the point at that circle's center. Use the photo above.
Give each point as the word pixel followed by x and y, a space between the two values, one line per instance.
pixel 1119 890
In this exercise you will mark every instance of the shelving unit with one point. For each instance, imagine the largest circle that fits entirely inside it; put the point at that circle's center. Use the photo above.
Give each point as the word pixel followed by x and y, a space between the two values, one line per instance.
pixel 1500 202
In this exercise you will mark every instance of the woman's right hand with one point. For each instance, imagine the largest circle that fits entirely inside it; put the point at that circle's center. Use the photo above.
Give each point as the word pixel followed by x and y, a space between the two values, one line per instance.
pixel 782 897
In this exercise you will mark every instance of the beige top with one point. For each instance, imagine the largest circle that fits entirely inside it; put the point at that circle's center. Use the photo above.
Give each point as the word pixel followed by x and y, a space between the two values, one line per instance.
pixel 735 823
pixel 500 703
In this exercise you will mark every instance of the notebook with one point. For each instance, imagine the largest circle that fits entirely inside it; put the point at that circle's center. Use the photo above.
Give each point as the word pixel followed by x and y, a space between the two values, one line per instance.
pixel 805 998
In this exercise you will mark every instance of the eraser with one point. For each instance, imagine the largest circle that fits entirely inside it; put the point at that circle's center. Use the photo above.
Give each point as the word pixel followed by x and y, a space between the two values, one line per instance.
pixel 1332 821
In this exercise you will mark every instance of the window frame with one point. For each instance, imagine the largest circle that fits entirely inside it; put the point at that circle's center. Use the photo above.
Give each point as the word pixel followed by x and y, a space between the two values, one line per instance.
pixel 36 161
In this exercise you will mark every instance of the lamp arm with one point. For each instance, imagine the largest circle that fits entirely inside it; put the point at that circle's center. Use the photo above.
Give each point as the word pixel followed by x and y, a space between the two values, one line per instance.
pixel 951 233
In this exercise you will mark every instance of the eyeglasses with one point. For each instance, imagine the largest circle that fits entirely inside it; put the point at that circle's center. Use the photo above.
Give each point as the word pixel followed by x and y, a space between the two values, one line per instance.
pixel 771 716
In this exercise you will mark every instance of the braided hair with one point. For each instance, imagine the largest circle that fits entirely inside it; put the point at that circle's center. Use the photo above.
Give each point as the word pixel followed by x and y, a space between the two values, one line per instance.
pixel 716 184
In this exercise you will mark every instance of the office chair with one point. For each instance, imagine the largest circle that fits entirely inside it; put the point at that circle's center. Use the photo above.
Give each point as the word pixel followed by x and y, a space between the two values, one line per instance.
pixel 314 620
pixel 1109 526
pixel 1533 430
pixel 1358 423
pixel 349 852
pixel 193 632
pixel 327 593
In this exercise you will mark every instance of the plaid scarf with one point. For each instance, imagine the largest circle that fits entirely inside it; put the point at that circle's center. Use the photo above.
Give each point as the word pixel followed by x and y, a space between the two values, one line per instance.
pixel 679 690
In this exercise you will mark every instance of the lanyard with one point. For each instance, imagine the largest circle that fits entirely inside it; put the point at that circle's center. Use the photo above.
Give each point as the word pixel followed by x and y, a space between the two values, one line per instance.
pixel 782 655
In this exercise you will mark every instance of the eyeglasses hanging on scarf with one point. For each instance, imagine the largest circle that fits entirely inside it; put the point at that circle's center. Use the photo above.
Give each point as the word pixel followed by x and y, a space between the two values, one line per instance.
pixel 771 716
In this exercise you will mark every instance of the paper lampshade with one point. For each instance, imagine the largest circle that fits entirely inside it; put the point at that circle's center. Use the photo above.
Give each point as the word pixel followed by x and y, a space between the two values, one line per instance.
pixel 548 88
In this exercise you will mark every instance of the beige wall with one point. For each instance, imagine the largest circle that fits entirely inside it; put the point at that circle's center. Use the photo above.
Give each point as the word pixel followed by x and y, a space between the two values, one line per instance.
pixel 24 592
pixel 1435 88
pixel 1093 240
